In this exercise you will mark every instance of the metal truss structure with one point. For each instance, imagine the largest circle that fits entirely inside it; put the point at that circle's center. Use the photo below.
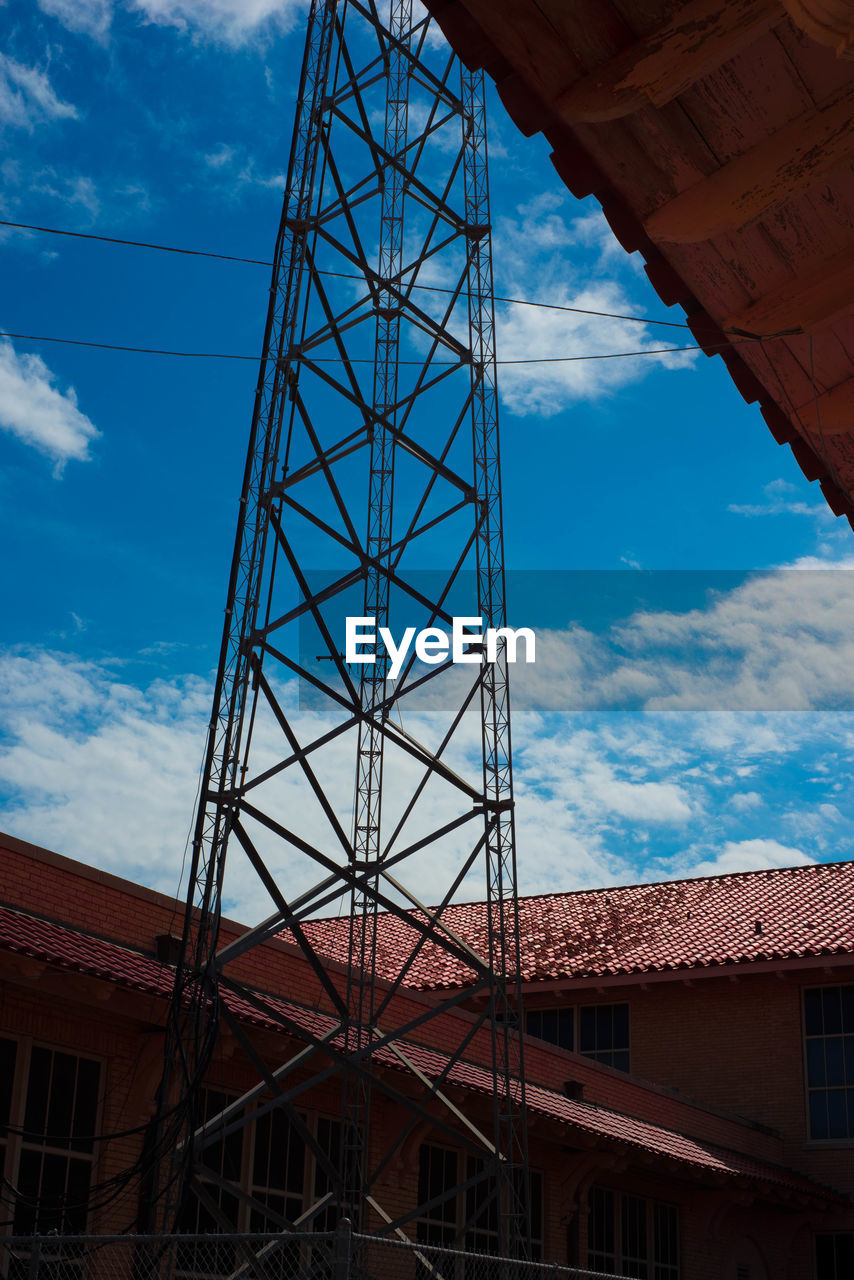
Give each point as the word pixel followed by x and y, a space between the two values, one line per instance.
pixel 376 395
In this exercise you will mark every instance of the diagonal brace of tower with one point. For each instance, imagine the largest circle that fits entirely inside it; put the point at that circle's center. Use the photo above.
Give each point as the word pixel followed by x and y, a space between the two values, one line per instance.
pixel 376 395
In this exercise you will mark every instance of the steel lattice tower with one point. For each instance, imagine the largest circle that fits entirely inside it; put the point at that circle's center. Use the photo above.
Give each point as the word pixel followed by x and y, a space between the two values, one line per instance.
pixel 377 394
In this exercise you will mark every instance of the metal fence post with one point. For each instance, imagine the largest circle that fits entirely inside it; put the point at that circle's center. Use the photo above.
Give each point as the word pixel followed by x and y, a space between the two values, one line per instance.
pixel 341 1249
pixel 35 1255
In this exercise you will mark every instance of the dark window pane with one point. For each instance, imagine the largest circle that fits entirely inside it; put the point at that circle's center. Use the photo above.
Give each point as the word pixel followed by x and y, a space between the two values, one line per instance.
pixel 295 1169
pixel 621 1026
pixel 848 1009
pixel 849 1059
pixel 605 1027
pixel 837 1121
pixel 553 1025
pixel 831 1002
pixel 38 1090
pixel 548 1025
pixel 818 1114
pixel 834 1256
pixel 8 1054
pixel 621 1060
pixel 587 1029
pixel 824 1258
pixel 845 1253
pixel 329 1141
pixel 816 1075
pixel 86 1104
pixel 60 1111
pixel 812 1012
pixel 634 1239
pixel 665 1244
pixel 535 1186
pixel 601 1227
pixel 261 1161
pixel 834 1060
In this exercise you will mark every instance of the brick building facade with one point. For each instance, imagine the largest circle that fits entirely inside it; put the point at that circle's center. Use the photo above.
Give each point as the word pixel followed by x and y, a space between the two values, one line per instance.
pixel 690 1062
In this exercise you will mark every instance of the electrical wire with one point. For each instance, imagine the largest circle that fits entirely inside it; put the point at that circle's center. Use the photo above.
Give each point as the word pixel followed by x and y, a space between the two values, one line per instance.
pixel 337 275
pixel 228 355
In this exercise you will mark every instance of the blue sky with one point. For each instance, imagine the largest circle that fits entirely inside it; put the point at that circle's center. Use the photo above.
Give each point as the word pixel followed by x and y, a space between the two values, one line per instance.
pixel 170 121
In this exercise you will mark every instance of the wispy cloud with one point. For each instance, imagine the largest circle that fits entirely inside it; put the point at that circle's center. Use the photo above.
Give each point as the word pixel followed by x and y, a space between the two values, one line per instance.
pixel 737 855
pixel 34 409
pixel 240 170
pixel 780 500
pixel 231 22
pixel 100 769
pixel 27 98
pixel 106 771
pixel 776 641
pixel 87 17
pixel 537 243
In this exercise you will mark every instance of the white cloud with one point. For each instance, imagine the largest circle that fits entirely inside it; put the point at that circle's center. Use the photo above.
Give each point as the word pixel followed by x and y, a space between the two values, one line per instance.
pixel 780 500
pixel 239 170
pixel 782 640
pixel 743 801
pixel 221 157
pixel 106 772
pixel 231 21
pixel 27 97
pixel 535 245
pixel 98 769
pixel 742 855
pixel 38 413
pixel 87 17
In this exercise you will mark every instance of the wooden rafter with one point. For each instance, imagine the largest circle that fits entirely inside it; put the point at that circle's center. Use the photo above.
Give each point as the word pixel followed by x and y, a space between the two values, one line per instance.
pixel 698 38
pixel 829 414
pixel 763 178
pixel 809 301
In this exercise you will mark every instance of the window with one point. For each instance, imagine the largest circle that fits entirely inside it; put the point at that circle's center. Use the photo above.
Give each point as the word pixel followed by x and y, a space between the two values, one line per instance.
pixel 834 1256
pixel 272 1160
pixel 829 1037
pixel 464 1220
pixel 437 1174
pixel 47 1139
pixel 603 1030
pixel 632 1235
pixel 603 1034
pixel 8 1053
pixel 278 1170
pixel 215 1208
pixel 557 1026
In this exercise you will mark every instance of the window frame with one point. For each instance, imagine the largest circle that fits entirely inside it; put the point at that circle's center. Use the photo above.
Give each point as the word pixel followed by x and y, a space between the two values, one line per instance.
pixel 247 1184
pixel 575 1011
pixel 829 1235
pixel 811 1141
pixel 652 1205
pixel 457 1224
pixel 14 1145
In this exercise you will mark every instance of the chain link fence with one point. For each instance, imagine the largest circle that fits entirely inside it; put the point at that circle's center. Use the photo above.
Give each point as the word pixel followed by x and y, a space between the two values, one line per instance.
pixel 334 1255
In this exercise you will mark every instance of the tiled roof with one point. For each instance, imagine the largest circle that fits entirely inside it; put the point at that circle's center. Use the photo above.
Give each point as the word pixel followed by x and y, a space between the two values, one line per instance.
pixel 67 949
pixel 717 126
pixel 795 912
pixel 42 940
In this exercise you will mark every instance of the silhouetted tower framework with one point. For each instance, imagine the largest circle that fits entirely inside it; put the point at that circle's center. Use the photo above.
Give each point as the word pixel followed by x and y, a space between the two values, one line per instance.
pixel 376 398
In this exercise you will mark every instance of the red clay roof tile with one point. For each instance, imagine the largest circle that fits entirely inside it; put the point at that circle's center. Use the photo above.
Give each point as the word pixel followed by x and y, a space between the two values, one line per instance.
pixel 43 940
pixel 679 924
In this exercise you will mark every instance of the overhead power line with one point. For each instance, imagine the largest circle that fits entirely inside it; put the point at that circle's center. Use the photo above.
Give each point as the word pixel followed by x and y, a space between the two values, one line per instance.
pixel 339 275
pixel 228 355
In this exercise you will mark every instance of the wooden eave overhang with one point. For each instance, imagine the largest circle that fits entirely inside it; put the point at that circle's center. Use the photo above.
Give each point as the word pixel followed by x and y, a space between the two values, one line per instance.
pixel 718 137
